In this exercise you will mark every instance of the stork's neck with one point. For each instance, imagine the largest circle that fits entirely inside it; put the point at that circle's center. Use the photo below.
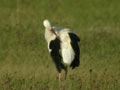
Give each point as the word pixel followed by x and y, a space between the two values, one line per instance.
pixel 49 35
pixel 57 36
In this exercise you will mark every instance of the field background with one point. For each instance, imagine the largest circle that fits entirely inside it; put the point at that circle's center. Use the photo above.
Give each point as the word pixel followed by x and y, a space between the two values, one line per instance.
pixel 25 63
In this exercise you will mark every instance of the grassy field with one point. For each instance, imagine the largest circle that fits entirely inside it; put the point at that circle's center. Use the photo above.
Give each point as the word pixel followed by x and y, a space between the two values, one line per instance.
pixel 25 63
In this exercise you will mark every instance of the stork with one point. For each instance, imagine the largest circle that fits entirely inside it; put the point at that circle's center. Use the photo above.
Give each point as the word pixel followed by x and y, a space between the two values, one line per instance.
pixel 63 46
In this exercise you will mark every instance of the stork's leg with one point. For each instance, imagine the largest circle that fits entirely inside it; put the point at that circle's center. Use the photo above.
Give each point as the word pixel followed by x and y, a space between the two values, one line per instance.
pixel 66 70
pixel 59 77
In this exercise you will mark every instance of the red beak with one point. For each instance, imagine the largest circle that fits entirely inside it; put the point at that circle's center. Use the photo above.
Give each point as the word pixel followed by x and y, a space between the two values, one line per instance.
pixel 52 30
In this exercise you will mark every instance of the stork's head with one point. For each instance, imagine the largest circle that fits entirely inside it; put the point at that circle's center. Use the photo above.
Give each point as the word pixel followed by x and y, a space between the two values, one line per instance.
pixel 47 24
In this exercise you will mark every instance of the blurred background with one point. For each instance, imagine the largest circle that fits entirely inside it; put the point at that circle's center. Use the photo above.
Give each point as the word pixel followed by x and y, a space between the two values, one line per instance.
pixel 25 63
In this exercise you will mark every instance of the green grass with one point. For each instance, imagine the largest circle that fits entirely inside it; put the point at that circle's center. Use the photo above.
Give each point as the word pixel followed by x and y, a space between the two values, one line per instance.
pixel 25 63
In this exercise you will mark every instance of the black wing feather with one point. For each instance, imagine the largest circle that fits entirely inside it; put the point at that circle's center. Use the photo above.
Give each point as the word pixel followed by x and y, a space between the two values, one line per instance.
pixel 74 43
pixel 56 57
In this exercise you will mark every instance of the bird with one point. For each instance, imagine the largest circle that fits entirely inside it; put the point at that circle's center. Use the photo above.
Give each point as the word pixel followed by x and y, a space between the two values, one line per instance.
pixel 63 46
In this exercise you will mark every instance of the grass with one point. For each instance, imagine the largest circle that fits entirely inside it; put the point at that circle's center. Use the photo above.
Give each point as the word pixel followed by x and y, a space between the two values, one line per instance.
pixel 25 63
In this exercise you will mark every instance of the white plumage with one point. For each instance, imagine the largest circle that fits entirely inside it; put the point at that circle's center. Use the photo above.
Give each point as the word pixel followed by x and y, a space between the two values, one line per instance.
pixel 66 48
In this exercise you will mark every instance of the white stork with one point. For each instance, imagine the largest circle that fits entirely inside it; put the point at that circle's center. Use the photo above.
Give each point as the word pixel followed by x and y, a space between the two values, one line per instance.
pixel 63 47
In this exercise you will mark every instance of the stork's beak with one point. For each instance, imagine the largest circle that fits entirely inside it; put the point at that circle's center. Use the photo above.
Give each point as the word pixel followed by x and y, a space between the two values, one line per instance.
pixel 52 30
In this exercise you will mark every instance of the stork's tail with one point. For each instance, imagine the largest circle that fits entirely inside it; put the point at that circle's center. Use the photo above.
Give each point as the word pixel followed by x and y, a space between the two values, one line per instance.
pixel 47 24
